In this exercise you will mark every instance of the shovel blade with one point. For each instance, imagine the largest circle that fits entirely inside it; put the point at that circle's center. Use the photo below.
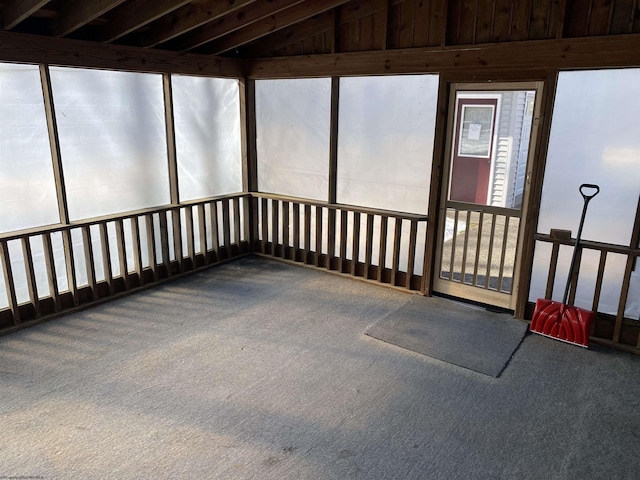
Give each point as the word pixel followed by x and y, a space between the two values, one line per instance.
pixel 563 322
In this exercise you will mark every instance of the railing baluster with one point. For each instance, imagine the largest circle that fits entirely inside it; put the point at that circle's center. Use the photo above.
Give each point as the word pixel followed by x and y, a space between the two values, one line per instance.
pixel 215 237
pixel 383 246
pixel 318 236
pixel 296 230
pixel 265 224
pixel 236 222
pixel 137 251
pixel 31 275
pixel 368 254
pixel 164 241
pixel 106 256
pixel 50 263
pixel 397 239
pixel 202 232
pixel 307 233
pixel 71 265
pixel 503 253
pixel 151 245
pixel 454 240
pixel 355 248
pixel 487 280
pixel 122 253
pixel 413 235
pixel 465 247
pixel 176 221
pixel 8 281
pixel 188 221
pixel 331 236
pixel 599 279
pixel 275 227
pixel 574 277
pixel 89 260
pixel 344 227
pixel 247 206
pixel 226 227
pixel 285 230
pixel 478 248
pixel 553 267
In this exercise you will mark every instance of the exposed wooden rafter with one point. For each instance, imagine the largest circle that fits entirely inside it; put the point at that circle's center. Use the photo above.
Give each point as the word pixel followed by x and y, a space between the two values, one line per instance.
pixel 131 16
pixel 232 22
pixel 187 18
pixel 14 12
pixel 351 12
pixel 78 13
pixel 271 24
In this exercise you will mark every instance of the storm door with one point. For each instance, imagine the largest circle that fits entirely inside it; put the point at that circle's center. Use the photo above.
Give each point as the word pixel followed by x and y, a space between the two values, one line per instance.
pixel 491 129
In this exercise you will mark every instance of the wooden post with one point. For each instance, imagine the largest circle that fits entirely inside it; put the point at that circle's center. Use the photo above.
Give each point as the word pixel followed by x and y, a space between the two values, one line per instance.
pixel 249 157
pixel 58 174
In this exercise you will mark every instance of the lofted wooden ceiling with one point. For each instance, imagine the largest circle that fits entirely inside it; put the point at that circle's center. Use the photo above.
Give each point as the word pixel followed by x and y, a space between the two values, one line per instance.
pixel 266 28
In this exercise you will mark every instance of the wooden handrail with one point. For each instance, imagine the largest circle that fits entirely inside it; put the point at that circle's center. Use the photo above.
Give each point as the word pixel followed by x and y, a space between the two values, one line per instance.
pixel 341 206
pixel 60 227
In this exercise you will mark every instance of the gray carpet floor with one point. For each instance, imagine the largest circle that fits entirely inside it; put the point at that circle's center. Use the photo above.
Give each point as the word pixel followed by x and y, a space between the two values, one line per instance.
pixel 261 370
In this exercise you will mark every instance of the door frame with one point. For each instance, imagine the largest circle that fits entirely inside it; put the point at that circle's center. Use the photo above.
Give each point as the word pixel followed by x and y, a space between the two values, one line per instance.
pixel 488 296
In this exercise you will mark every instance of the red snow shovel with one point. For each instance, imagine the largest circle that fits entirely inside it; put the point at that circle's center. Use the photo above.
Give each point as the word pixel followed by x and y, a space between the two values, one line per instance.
pixel 558 320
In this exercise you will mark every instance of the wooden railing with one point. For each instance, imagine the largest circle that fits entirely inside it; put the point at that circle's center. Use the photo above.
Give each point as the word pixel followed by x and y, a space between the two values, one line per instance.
pixel 481 253
pixel 50 270
pixel 610 329
pixel 377 245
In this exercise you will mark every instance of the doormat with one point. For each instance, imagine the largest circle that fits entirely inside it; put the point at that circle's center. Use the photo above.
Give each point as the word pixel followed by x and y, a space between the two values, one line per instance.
pixel 464 335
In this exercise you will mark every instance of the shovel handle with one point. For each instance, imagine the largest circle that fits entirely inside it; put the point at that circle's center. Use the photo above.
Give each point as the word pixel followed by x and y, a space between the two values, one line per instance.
pixel 587 197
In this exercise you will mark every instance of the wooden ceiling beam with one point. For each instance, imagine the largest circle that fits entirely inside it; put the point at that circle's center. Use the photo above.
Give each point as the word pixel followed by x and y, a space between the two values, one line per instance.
pixel 133 15
pixel 187 18
pixel 575 53
pixel 37 49
pixel 78 13
pixel 230 23
pixel 256 30
pixel 14 12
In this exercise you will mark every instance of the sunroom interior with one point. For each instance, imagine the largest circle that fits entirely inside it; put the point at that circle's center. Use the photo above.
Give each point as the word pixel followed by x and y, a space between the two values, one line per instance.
pixel 434 147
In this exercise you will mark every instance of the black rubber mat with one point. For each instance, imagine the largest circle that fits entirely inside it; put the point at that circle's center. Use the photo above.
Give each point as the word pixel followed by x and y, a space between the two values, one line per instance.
pixel 464 335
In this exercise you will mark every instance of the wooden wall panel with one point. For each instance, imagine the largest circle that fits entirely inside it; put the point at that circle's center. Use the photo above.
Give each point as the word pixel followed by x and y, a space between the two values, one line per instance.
pixel 600 17
pixel 520 20
pixel 502 21
pixel 484 22
pixel 393 27
pixel 576 18
pixel 468 15
pixel 366 33
pixel 539 20
pixel 622 17
pixel 422 21
pixel 437 23
pixel 406 26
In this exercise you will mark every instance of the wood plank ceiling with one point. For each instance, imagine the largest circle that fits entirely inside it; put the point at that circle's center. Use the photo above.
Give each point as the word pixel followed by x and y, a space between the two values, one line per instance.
pixel 266 28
